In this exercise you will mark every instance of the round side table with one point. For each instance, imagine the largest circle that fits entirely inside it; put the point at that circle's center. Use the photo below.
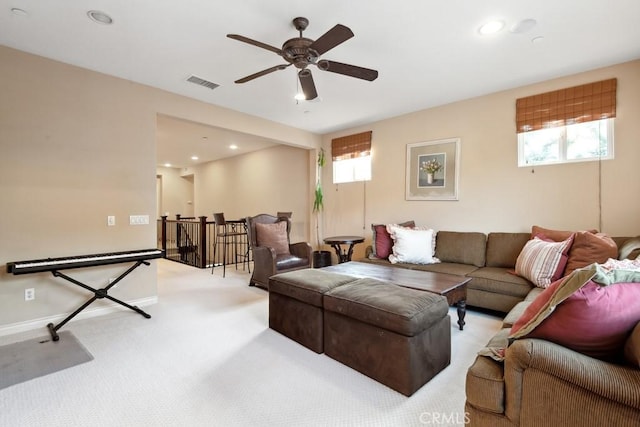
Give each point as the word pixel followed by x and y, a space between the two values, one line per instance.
pixel 344 255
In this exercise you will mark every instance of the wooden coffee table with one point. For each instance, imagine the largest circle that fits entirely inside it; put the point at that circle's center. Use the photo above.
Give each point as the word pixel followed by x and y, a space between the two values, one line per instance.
pixel 452 287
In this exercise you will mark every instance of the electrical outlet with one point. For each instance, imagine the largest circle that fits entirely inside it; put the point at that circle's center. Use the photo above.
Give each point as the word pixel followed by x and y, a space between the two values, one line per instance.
pixel 111 220
pixel 29 294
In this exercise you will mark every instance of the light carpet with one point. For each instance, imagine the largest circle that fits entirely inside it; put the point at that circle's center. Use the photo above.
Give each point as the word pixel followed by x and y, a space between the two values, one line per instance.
pixel 208 358
pixel 36 357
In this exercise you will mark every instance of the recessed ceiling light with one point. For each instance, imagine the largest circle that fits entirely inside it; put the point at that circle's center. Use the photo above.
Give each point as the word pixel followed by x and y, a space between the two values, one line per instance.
pixel 299 96
pixel 537 40
pixel 233 146
pixel 100 17
pixel 491 27
pixel 167 165
pixel 194 157
pixel 19 12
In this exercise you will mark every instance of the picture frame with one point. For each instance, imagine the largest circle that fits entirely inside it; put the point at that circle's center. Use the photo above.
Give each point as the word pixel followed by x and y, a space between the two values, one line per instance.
pixel 432 170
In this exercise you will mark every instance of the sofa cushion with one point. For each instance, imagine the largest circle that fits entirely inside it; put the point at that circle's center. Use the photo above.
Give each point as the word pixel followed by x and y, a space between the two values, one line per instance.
pixel 411 245
pixel 533 294
pixel 500 281
pixel 461 247
pixel 382 243
pixel 503 248
pixel 515 313
pixel 273 236
pixel 445 267
pixel 583 315
pixel 543 262
pixel 632 347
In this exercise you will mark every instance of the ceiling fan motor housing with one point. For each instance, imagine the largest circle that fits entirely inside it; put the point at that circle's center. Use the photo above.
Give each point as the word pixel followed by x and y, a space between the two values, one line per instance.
pixel 296 51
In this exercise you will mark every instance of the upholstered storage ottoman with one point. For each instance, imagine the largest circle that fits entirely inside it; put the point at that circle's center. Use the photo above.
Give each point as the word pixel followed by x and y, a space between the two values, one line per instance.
pixel 295 304
pixel 398 336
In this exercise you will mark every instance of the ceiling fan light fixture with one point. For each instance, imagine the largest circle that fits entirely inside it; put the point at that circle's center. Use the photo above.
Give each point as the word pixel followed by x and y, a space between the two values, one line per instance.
pixel 491 27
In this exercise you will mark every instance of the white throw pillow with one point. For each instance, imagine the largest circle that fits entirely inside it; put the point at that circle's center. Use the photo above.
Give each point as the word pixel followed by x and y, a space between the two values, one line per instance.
pixel 414 246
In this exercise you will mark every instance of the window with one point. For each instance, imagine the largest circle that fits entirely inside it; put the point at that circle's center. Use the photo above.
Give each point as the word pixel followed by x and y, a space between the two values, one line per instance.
pixel 573 143
pixel 350 170
pixel 351 157
pixel 567 125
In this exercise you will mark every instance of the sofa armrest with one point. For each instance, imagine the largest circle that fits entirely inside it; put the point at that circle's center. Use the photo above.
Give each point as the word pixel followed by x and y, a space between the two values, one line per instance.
pixel 539 372
pixel 264 260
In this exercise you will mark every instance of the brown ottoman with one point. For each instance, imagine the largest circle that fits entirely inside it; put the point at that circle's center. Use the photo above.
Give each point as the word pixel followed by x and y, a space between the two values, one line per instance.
pixel 295 304
pixel 398 336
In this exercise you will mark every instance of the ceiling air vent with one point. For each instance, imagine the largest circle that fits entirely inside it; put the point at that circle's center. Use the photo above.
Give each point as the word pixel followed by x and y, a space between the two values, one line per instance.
pixel 202 82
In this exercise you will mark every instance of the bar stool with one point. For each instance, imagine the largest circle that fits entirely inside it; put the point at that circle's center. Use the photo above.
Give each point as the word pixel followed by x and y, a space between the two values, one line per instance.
pixel 227 234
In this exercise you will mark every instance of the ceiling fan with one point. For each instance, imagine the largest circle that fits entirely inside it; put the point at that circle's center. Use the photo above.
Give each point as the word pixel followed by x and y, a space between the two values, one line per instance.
pixel 302 52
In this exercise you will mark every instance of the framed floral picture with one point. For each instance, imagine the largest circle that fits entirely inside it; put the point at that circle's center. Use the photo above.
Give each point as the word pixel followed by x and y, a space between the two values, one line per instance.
pixel 432 170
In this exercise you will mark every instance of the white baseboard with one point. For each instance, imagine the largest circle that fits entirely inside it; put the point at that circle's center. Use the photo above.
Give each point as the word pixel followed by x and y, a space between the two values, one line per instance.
pixel 29 325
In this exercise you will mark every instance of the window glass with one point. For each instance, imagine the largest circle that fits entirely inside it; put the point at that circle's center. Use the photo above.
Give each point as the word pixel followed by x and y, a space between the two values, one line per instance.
pixel 351 170
pixel 577 142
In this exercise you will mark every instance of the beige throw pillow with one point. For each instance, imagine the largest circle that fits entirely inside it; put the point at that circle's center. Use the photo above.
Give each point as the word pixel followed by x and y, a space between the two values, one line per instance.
pixel 273 236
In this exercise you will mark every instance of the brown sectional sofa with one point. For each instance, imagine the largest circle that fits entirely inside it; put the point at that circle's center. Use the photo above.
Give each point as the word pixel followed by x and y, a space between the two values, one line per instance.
pixel 488 259
pixel 539 382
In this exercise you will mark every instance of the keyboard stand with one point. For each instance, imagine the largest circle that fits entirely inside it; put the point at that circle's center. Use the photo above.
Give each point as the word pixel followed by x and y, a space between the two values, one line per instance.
pixel 97 294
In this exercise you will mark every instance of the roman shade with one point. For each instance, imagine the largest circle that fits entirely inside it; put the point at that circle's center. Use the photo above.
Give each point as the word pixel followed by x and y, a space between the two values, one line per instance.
pixel 578 104
pixel 351 146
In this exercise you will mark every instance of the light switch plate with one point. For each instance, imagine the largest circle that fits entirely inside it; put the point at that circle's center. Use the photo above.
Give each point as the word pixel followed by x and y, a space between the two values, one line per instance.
pixel 111 220
pixel 139 220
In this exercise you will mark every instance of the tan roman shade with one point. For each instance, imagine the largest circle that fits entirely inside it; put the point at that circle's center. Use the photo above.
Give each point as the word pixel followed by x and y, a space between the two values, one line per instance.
pixel 351 146
pixel 585 103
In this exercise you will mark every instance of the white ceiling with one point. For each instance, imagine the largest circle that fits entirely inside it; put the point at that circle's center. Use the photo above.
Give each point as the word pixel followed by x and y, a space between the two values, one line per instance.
pixel 427 52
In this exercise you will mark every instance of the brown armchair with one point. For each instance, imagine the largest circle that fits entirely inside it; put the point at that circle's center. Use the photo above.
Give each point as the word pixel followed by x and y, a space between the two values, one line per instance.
pixel 272 250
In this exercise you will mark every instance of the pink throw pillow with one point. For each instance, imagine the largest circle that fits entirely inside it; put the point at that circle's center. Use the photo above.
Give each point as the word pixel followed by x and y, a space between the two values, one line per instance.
pixel 274 236
pixel 595 320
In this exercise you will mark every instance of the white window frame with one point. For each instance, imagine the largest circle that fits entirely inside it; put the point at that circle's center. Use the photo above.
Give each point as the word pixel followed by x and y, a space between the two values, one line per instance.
pixel 352 170
pixel 562 148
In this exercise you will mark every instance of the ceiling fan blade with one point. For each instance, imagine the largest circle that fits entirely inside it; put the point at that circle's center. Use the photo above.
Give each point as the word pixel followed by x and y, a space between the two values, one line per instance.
pixel 348 70
pixel 262 73
pixel 332 38
pixel 308 87
pixel 255 43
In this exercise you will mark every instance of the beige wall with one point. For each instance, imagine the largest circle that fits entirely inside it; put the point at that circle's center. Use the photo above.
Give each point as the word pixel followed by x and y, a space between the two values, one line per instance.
pixel 494 194
pixel 266 181
pixel 176 192
pixel 75 147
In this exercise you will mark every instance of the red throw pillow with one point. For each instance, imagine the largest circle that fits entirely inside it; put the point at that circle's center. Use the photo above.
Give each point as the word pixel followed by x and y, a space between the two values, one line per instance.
pixel 382 242
pixel 595 320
